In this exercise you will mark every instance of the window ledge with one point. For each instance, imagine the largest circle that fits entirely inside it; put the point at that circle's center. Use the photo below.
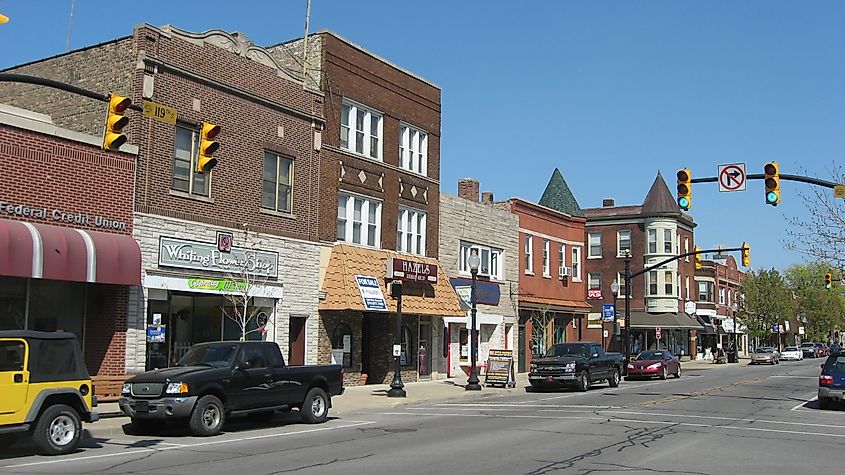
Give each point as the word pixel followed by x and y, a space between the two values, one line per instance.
pixel 280 214
pixel 182 194
pixel 547 276
pixel 528 272
pixel 594 257
pixel 360 155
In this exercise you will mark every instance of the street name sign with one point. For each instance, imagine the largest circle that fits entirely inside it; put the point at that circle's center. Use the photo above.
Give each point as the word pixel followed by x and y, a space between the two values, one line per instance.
pixel 160 112
pixel 732 177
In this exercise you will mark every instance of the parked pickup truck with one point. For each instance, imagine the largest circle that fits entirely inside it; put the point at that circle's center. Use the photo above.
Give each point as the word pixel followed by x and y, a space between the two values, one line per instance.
pixel 575 364
pixel 216 380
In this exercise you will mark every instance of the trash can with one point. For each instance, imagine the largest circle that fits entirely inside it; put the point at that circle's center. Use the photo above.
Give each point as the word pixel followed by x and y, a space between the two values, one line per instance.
pixel 732 357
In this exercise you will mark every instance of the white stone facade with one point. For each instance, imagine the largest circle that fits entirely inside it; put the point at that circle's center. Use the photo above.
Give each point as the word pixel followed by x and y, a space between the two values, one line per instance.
pixel 298 275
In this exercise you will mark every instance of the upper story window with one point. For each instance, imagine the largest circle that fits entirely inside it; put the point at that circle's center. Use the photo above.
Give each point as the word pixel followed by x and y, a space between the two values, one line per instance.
pixel 185 176
pixel 546 258
pixel 529 256
pixel 652 282
pixel 410 231
pixel 576 263
pixel 667 241
pixel 721 295
pixel 594 245
pixel 358 220
pixel 686 287
pixel 668 282
pixel 594 280
pixel 491 260
pixel 278 183
pixel 705 292
pixel 561 259
pixel 360 130
pixel 620 279
pixel 652 241
pixel 623 242
pixel 413 150
pixel 686 248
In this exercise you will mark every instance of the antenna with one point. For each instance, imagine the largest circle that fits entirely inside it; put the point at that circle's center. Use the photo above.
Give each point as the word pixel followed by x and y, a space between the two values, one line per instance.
pixel 305 44
pixel 69 25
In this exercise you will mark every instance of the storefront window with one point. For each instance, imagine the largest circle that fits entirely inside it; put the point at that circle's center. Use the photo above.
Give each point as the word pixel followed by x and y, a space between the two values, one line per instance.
pixel 405 354
pixel 342 345
pixel 12 303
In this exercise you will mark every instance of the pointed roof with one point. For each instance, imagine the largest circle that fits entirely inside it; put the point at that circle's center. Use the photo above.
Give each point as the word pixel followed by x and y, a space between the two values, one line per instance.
pixel 659 200
pixel 559 197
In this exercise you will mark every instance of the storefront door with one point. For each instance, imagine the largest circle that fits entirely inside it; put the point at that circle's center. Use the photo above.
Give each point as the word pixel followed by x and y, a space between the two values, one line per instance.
pixel 297 341
pixel 424 355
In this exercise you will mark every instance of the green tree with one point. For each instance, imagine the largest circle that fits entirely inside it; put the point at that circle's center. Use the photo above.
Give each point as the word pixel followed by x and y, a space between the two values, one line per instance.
pixel 766 300
pixel 820 233
pixel 819 310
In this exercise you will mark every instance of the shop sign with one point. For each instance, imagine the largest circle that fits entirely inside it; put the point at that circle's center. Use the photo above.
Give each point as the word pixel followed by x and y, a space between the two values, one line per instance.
pixel 487 293
pixel 61 216
pixel 500 368
pixel 221 285
pixel 156 333
pixel 413 271
pixel 594 294
pixel 608 312
pixel 371 294
pixel 185 254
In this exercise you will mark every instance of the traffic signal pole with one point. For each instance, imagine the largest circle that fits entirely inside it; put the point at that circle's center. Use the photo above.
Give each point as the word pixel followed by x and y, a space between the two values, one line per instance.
pixel 760 176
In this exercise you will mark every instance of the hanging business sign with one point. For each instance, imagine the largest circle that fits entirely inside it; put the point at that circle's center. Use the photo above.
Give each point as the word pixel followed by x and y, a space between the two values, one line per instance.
pixel 594 294
pixel 413 271
pixel 608 312
pixel 185 254
pixel 371 293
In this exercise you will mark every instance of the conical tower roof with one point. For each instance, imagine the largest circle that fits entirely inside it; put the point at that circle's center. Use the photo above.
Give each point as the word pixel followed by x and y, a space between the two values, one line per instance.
pixel 559 197
pixel 659 200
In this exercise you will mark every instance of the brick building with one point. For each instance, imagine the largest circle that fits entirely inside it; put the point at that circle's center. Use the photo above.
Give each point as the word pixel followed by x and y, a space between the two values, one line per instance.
pixel 67 257
pixel 552 307
pixel 467 225
pixel 717 283
pixel 198 231
pixel 380 201
pixel 651 232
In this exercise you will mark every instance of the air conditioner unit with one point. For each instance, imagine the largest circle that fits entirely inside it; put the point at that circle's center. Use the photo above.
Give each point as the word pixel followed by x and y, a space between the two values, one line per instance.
pixel 564 272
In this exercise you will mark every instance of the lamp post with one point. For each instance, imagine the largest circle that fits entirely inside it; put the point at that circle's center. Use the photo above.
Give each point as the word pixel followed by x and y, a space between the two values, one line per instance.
pixel 614 289
pixel 734 308
pixel 472 383
pixel 396 387
pixel 627 308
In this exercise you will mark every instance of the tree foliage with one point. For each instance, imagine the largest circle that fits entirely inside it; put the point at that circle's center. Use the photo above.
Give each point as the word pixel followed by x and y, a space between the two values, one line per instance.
pixel 818 309
pixel 820 235
pixel 766 300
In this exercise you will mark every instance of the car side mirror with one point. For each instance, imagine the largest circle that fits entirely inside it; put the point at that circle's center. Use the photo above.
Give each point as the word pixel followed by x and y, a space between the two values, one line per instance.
pixel 244 365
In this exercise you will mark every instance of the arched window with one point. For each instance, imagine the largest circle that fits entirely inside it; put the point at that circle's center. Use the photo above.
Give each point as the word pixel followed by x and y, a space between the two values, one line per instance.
pixel 405 355
pixel 342 345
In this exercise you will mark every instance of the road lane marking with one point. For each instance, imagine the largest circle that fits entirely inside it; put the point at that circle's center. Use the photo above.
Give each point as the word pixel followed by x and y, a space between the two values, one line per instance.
pixel 793 377
pixel 493 404
pixel 189 446
pixel 799 405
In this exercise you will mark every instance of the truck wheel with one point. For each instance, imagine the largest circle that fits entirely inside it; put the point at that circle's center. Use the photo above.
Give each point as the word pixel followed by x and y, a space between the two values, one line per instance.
pixel 57 431
pixel 583 381
pixel 315 408
pixel 613 381
pixel 208 417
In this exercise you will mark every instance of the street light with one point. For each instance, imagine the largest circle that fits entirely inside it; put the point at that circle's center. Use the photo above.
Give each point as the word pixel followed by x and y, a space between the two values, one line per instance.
pixel 627 308
pixel 472 384
pixel 734 308
pixel 396 387
pixel 614 289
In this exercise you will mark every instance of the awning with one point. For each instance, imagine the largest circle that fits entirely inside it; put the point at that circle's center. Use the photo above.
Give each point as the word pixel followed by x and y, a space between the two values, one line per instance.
pixel 554 305
pixel 43 251
pixel 663 320
pixel 480 319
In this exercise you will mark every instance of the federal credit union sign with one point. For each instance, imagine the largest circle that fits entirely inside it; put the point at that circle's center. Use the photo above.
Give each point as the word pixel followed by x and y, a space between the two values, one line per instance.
pixel 185 254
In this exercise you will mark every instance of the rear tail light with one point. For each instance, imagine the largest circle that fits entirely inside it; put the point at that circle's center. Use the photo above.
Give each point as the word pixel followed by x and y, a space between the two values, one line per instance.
pixel 825 380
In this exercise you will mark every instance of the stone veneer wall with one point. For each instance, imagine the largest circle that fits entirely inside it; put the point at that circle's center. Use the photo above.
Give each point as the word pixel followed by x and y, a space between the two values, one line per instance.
pixel 298 272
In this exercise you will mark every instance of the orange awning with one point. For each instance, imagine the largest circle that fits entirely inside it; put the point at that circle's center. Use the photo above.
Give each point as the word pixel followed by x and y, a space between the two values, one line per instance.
pixel 554 305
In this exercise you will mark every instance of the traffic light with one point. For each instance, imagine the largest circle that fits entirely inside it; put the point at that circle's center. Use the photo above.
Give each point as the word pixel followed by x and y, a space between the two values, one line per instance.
pixel 3 19
pixel 697 258
pixel 205 162
pixel 684 189
pixel 828 280
pixel 772 172
pixel 746 254
pixel 113 137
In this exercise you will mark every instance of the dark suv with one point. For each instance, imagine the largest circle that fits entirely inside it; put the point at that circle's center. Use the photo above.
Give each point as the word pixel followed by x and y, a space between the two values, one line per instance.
pixel 832 380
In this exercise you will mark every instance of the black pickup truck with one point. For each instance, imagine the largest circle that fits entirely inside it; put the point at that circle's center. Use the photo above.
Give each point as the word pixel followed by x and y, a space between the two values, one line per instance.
pixel 216 380
pixel 575 364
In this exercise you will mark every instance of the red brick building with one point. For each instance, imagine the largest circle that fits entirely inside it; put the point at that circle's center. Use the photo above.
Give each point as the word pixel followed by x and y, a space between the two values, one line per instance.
pixel 652 232
pixel 67 257
pixel 552 291
pixel 717 293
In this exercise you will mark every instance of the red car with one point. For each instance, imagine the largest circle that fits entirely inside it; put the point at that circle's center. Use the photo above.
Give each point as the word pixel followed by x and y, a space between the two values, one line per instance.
pixel 654 363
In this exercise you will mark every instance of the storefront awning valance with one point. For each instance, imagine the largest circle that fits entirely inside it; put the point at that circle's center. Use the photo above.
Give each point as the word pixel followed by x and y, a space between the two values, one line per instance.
pixel 664 320
pixel 418 298
pixel 554 305
pixel 43 251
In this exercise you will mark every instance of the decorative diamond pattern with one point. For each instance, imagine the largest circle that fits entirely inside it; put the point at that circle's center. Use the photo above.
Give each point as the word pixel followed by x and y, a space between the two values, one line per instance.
pixel 362 176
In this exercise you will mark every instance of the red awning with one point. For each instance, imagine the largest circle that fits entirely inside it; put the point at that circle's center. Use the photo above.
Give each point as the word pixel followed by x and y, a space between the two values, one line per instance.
pixel 43 251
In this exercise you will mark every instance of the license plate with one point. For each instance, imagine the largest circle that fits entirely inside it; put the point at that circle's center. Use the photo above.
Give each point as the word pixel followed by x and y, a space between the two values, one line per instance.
pixel 549 379
pixel 142 406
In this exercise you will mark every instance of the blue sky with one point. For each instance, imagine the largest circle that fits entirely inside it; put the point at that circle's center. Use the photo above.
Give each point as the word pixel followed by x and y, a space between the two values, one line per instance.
pixel 610 92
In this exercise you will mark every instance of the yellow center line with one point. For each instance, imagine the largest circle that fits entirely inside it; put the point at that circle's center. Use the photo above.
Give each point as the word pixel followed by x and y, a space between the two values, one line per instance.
pixel 703 392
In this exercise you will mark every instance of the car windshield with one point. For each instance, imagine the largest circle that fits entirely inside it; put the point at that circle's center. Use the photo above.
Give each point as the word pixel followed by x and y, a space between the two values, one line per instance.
pixel 790 348
pixel 763 350
pixel 219 356
pixel 568 350
pixel 650 355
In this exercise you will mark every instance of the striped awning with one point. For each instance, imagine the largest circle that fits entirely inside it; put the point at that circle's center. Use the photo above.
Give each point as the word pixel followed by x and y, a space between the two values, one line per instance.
pixel 43 251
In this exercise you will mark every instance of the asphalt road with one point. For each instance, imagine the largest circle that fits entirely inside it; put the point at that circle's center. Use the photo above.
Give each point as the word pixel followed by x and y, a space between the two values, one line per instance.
pixel 738 418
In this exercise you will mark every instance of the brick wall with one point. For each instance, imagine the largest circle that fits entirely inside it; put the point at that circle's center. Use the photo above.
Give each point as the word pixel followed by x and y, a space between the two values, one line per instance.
pixel 105 329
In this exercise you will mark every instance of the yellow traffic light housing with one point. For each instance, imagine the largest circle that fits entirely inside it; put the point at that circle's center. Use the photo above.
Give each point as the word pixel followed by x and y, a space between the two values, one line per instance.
pixel 698 263
pixel 3 19
pixel 684 189
pixel 113 136
pixel 828 280
pixel 772 178
pixel 205 161
pixel 746 255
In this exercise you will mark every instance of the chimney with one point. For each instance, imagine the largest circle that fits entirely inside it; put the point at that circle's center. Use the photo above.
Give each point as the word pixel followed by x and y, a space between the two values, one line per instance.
pixel 487 197
pixel 608 203
pixel 468 189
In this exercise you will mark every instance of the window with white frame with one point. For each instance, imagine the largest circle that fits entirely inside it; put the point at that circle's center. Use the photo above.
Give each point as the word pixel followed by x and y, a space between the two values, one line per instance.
pixel 652 241
pixel 358 220
pixel 704 292
pixel 561 259
pixel 491 260
pixel 686 248
pixel 594 280
pixel 623 242
pixel 576 262
pixel 546 257
pixel 669 282
pixel 721 295
pixel 686 287
pixel 652 283
pixel 594 245
pixel 413 149
pixel 360 130
pixel 410 231
pixel 277 183
pixel 667 241
pixel 678 284
pixel 623 286
pixel 185 176
pixel 529 255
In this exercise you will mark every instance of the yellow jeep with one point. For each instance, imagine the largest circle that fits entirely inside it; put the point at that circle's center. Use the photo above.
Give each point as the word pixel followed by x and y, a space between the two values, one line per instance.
pixel 45 390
